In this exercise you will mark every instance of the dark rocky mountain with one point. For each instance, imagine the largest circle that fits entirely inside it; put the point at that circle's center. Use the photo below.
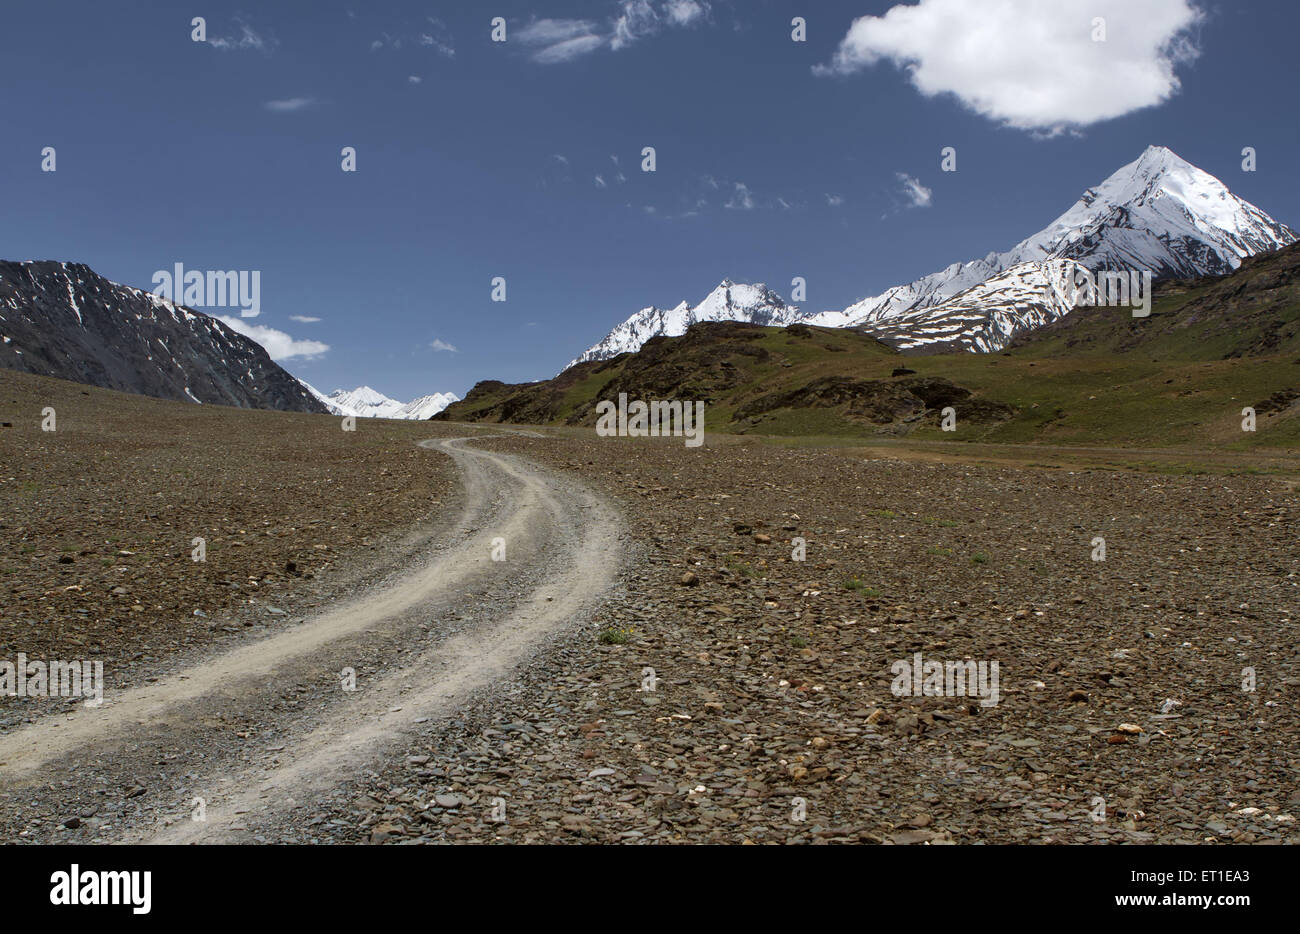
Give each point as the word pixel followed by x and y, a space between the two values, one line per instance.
pixel 66 320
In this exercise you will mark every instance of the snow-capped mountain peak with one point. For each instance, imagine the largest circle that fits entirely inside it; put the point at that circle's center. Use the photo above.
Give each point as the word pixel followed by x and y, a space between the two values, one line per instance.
pixel 1158 213
pixel 426 407
pixel 729 301
pixel 364 402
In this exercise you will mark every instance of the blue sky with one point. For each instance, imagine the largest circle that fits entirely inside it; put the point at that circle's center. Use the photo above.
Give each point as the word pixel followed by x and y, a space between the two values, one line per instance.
pixel 478 159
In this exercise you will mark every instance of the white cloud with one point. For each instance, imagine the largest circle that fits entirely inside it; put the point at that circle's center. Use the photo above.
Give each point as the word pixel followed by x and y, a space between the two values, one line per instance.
pixel 248 39
pixel 600 182
pixel 438 344
pixel 551 31
pixel 684 12
pixel 561 158
pixel 278 344
pixel 1030 64
pixel 289 105
pixel 834 200
pixel 568 50
pixel 414 79
pixel 442 48
pixel 743 199
pixel 303 319
pixel 438 38
pixel 636 20
pixel 917 194
pixel 562 40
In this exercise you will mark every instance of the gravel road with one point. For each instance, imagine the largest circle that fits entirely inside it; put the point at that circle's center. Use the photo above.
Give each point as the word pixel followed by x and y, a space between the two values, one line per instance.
pixel 529 553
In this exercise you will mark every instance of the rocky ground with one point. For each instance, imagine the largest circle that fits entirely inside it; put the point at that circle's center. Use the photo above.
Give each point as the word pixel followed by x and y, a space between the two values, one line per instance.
pixel 98 520
pixel 1122 714
pixel 772 717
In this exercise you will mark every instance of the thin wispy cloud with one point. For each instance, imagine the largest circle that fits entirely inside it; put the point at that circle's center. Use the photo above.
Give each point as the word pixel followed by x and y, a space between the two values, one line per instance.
pixel 834 200
pixel 742 199
pixel 562 40
pixel 559 40
pixel 600 182
pixel 438 38
pixel 441 345
pixel 414 79
pixel 1042 67
pixel 684 12
pixel 433 35
pixel 244 39
pixel 917 195
pixel 278 344
pixel 303 319
pixel 290 104
pixel 637 20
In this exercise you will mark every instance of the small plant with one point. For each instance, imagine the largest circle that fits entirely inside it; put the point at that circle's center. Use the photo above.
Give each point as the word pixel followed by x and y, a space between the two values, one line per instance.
pixel 738 567
pixel 979 558
pixel 860 586
pixel 938 550
pixel 611 635
pixel 798 641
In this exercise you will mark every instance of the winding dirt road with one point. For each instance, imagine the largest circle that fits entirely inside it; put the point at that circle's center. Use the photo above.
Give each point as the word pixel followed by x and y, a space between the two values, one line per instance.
pixel 418 643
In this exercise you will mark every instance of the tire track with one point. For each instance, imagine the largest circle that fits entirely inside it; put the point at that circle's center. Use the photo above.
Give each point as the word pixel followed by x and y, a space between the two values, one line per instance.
pixel 563 546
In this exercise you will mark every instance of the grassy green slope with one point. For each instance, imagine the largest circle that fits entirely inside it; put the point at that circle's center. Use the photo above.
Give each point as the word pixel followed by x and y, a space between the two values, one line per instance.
pixel 1098 376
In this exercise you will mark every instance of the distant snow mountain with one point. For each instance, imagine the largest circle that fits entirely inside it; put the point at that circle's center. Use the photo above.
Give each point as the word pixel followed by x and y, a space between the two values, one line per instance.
pixel 1158 213
pixel 756 304
pixel 365 402
pixel 426 407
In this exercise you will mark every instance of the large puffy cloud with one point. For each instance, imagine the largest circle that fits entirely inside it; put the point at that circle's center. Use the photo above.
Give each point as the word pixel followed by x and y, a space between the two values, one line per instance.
pixel 1032 64
pixel 278 344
